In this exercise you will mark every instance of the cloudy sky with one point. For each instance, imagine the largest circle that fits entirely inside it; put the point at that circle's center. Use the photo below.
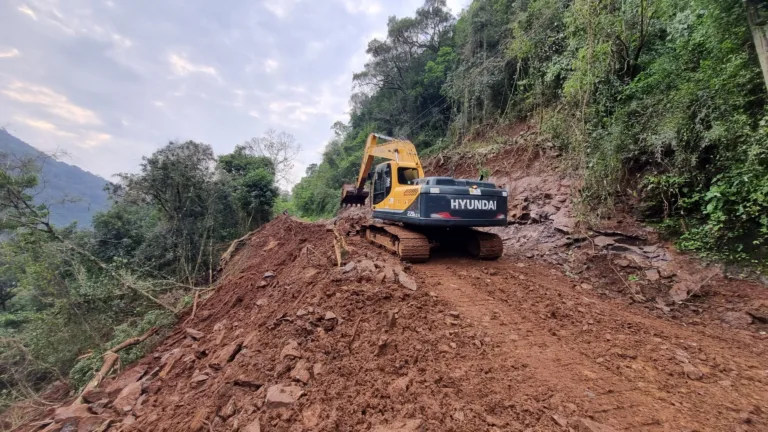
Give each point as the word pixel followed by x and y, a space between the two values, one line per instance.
pixel 109 81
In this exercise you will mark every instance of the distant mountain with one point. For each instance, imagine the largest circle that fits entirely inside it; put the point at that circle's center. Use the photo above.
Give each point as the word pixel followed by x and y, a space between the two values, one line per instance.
pixel 73 195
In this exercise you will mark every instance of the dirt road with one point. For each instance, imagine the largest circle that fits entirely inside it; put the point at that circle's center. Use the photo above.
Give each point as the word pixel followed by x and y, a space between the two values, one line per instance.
pixel 575 354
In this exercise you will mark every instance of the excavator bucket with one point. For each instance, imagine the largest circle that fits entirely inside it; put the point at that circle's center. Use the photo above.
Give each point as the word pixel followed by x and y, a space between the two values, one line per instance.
pixel 352 196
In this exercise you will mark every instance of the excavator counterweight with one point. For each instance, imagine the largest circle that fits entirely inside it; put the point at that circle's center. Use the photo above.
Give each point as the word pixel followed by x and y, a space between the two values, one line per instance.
pixel 420 212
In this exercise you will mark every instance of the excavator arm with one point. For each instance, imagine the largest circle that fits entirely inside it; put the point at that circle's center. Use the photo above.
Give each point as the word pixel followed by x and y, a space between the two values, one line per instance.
pixel 401 151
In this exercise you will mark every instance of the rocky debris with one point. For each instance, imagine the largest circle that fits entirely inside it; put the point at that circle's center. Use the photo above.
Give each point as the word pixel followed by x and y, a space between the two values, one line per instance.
pixel 197 379
pixel 95 395
pixel 603 241
pixel 412 425
pixel 737 319
pixel 454 314
pixel 400 386
pixel 692 372
pixel 290 351
pixel 301 372
pixel 560 420
pixel 652 275
pixel 330 316
pixel 367 266
pixel 349 267
pixel 406 281
pixel 586 425
pixel 74 411
pixel 253 426
pixel 194 334
pixel 228 410
pixel 282 396
pixel 225 355
pixel 128 397
pixel 269 275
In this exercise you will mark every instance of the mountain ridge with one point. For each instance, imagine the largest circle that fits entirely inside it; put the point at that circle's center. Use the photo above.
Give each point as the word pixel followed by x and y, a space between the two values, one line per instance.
pixel 72 193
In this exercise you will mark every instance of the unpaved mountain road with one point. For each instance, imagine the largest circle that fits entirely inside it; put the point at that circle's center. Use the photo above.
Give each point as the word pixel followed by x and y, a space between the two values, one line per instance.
pixel 549 340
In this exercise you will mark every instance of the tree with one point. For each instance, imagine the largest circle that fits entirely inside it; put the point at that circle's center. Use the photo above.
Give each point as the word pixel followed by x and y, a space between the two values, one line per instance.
pixel 280 147
pixel 757 16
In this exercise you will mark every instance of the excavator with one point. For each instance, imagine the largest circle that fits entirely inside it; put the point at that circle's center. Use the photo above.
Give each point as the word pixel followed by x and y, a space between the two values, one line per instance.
pixel 413 213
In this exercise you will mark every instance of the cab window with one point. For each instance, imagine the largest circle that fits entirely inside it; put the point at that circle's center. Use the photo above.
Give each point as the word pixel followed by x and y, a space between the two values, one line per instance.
pixel 382 183
pixel 407 176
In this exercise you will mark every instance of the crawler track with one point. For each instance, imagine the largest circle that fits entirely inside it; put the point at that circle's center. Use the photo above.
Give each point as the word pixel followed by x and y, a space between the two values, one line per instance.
pixel 410 246
pixel 483 245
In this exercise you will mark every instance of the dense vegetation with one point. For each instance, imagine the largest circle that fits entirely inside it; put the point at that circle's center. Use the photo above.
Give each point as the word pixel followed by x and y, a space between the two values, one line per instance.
pixel 667 91
pixel 68 294
pixel 74 195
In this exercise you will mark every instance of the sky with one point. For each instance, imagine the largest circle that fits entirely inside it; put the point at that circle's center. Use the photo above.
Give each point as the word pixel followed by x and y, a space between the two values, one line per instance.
pixel 105 82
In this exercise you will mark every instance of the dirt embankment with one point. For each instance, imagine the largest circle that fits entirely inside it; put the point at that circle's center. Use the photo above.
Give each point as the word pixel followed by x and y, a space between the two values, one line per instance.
pixel 291 342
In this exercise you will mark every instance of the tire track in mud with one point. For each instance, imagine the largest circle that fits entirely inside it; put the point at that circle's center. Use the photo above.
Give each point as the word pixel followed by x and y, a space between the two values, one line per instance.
pixel 603 359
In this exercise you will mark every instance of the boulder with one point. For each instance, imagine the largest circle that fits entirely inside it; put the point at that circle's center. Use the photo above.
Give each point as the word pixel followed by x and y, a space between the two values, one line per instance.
pixel 283 396
pixel 128 397
pixel 406 281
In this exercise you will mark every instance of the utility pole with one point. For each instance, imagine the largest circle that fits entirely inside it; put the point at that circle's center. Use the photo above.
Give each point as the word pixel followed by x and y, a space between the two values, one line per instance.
pixel 757 16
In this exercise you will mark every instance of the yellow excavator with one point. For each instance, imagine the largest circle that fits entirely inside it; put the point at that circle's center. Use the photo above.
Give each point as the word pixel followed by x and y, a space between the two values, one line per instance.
pixel 419 212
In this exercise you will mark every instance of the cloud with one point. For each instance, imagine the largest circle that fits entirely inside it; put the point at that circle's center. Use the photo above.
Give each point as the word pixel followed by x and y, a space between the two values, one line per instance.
pixel 281 8
pixel 368 7
pixel 43 125
pixel 27 11
pixel 55 103
pixel 95 139
pixel 12 52
pixel 183 67
pixel 270 65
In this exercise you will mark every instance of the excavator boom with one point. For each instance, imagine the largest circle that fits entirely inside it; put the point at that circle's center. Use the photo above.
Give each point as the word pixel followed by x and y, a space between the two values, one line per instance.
pixel 397 150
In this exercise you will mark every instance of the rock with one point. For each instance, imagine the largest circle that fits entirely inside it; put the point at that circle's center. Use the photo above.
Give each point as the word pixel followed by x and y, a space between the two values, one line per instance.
pixel 586 425
pixel 348 268
pixel 367 266
pixel 282 396
pixel 269 275
pixel 389 275
pixel 199 420
pixel 412 425
pixel 679 292
pixel 228 410
pixel 453 314
pixel 135 374
pixel 652 275
pixel 561 198
pixel 587 286
pixel 95 395
pixel 560 420
pixel 406 281
pixel 71 411
pixel 225 355
pixel 400 386
pixel 290 351
pixel 622 262
pixel 692 372
pixel 253 426
pixel 759 316
pixel 301 313
pixel 603 241
pixel 563 222
pixel 194 334
pixel 198 378
pixel 330 316
pixel 317 369
pixel 301 371
pixel 261 302
pixel 736 319
pixel 666 274
pixel 311 416
pixel 493 421
pixel 128 397
pixel 95 424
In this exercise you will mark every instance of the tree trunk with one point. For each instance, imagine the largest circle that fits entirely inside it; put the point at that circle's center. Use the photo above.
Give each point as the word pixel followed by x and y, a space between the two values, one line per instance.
pixel 757 16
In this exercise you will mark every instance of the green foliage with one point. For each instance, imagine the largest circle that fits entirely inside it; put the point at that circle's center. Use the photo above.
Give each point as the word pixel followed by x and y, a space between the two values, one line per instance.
pixel 69 291
pixel 669 91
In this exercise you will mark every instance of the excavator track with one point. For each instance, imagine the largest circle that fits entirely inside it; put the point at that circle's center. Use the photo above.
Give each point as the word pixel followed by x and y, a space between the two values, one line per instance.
pixel 410 246
pixel 484 245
